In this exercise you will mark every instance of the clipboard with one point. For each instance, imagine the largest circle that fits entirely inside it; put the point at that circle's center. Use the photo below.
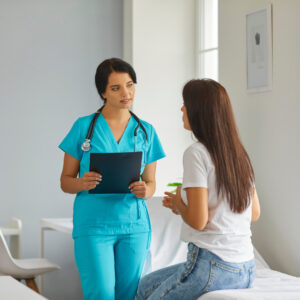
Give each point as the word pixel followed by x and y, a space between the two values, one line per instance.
pixel 118 170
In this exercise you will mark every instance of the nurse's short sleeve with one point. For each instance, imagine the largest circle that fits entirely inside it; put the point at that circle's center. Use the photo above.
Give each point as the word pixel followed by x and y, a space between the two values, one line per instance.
pixel 71 144
pixel 195 173
pixel 155 150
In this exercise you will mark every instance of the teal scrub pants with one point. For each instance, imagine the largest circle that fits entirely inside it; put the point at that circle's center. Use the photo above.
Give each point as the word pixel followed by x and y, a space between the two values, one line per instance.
pixel 110 266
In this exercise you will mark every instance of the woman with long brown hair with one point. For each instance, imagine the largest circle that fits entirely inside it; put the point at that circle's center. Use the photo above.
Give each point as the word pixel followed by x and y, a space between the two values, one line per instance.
pixel 217 203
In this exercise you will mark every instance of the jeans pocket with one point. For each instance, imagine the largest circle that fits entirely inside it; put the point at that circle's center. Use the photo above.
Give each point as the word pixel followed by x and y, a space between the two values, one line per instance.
pixel 223 277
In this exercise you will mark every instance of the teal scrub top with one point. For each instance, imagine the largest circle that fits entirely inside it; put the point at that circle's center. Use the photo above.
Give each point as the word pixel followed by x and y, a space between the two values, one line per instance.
pixel 110 213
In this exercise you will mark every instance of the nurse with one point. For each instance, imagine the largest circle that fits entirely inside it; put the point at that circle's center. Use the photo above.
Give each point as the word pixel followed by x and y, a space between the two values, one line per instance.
pixel 112 232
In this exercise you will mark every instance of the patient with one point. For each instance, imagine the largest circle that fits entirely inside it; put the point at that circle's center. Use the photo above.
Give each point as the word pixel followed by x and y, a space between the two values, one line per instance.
pixel 217 203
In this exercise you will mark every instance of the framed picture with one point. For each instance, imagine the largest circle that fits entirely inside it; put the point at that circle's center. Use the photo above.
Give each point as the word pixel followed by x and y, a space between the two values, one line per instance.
pixel 259 50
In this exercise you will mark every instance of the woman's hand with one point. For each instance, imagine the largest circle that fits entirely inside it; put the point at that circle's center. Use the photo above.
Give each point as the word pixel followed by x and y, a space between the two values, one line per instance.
pixel 90 180
pixel 171 200
pixel 139 188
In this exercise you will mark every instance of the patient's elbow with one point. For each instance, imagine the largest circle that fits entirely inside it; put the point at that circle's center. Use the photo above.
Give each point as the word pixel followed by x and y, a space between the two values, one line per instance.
pixel 255 214
pixel 196 219
pixel 198 227
pixel 198 224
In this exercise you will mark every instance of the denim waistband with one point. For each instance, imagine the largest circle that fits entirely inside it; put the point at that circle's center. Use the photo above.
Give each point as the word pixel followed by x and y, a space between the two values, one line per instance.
pixel 208 255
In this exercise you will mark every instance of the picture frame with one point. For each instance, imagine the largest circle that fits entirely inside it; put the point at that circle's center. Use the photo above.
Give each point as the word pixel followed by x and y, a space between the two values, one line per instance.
pixel 259 50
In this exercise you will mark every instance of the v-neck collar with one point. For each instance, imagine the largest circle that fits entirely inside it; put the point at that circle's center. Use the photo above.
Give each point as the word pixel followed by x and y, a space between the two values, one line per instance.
pixel 110 134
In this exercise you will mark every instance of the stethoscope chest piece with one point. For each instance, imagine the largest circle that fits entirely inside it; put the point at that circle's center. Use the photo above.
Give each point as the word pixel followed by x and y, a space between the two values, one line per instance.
pixel 86 146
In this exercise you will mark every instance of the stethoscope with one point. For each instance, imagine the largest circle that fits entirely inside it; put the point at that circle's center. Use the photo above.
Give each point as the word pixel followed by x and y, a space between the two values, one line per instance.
pixel 86 145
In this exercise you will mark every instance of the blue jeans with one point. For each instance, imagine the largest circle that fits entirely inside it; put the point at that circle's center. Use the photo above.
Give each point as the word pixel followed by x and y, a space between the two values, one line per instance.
pixel 201 273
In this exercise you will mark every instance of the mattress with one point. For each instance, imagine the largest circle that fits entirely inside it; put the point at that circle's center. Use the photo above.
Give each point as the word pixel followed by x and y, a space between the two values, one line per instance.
pixel 268 285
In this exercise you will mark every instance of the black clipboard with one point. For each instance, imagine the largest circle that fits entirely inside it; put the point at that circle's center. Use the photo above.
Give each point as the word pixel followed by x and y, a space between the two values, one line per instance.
pixel 118 170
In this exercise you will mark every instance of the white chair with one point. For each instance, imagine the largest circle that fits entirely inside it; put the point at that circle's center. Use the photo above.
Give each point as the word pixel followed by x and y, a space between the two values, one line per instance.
pixel 14 232
pixel 20 269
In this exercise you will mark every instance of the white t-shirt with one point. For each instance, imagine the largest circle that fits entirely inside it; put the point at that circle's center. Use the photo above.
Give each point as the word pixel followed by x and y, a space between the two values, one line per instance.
pixel 227 234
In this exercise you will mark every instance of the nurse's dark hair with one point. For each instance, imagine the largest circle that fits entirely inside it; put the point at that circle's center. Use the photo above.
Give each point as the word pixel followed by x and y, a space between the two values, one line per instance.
pixel 212 122
pixel 106 68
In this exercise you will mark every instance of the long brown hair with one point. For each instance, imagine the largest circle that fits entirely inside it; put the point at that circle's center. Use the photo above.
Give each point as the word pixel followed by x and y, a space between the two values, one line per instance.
pixel 212 122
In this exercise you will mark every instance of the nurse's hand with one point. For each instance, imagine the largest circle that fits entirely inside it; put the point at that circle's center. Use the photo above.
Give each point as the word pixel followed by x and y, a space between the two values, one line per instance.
pixel 139 188
pixel 90 180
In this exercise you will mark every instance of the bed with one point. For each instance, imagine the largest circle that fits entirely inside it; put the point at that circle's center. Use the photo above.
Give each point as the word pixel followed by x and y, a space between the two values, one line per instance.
pixel 166 249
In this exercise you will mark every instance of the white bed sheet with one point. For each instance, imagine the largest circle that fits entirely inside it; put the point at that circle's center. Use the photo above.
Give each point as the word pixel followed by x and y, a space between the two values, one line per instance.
pixel 166 249
pixel 268 285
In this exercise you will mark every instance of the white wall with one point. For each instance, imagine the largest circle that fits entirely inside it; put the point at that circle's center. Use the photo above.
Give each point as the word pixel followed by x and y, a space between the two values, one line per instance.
pixel 269 124
pixel 159 42
pixel 48 56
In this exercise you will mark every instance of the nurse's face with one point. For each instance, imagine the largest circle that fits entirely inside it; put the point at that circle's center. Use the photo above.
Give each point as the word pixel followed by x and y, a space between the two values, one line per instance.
pixel 185 119
pixel 120 90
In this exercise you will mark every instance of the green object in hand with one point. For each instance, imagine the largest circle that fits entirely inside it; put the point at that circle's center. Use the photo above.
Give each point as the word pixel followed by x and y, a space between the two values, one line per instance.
pixel 174 184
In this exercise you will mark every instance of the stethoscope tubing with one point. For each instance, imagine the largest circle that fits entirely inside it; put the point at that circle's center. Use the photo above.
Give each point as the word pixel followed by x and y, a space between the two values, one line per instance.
pixel 86 146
